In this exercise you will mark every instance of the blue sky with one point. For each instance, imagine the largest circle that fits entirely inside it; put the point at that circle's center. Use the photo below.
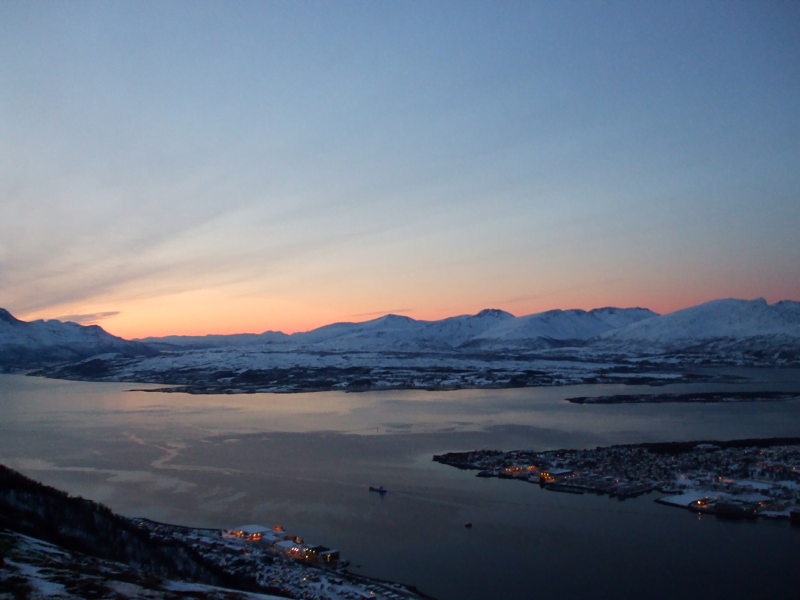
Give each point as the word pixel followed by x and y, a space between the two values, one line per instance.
pixel 240 166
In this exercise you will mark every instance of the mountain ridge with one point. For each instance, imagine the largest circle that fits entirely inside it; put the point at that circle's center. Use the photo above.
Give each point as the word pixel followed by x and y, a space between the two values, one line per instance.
pixel 726 325
pixel 29 344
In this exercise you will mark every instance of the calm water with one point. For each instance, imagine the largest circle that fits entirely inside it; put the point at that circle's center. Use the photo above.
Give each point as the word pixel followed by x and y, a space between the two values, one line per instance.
pixel 305 461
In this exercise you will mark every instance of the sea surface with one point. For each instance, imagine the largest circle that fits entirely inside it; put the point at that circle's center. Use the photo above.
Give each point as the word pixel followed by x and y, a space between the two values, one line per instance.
pixel 305 461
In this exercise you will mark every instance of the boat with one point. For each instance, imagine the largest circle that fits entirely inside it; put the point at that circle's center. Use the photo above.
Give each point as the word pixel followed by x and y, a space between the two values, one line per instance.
pixel 468 524
pixel 380 490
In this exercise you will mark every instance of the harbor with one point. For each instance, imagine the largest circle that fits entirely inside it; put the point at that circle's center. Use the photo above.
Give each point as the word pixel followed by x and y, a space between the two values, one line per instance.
pixel 739 479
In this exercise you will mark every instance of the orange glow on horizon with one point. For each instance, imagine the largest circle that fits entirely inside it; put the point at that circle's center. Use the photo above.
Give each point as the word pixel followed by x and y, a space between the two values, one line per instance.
pixel 216 312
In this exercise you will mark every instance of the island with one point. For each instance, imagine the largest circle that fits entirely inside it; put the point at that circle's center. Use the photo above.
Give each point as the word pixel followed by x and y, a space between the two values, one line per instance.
pixel 693 397
pixel 745 479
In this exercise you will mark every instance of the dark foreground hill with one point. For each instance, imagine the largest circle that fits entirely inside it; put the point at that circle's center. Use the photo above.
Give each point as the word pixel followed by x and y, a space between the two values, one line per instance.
pixel 39 511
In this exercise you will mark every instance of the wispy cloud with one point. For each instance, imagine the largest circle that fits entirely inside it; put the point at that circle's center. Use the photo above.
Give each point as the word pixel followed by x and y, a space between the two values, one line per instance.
pixel 561 291
pixel 89 318
pixel 394 311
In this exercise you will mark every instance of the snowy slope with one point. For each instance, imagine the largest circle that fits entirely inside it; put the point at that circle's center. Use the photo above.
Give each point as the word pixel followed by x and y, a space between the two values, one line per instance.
pixel 24 344
pixel 725 330
pixel 490 328
pixel 175 342
pixel 455 331
pixel 557 327
pixel 622 317
pixel 729 320
pixel 387 333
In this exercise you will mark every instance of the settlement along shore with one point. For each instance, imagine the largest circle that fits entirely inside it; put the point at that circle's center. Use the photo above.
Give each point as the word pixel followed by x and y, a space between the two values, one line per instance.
pixel 737 478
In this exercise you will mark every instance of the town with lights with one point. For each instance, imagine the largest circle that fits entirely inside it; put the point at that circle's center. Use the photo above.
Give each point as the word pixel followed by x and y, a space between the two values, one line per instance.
pixel 738 479
pixel 277 561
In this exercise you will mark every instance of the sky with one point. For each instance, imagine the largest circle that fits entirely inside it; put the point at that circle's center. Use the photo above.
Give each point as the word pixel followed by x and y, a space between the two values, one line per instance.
pixel 223 167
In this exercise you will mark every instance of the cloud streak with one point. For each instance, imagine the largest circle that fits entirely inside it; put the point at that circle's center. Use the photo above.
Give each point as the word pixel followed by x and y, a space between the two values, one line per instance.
pixel 89 318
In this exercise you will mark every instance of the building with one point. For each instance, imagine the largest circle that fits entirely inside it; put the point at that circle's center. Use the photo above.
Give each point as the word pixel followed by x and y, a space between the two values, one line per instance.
pixel 311 554
pixel 322 554
pixel 553 475
pixel 250 533
pixel 291 549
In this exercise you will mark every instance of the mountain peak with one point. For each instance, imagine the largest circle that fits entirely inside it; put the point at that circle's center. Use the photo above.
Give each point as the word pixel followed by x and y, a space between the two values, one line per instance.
pixel 7 317
pixel 392 319
pixel 494 312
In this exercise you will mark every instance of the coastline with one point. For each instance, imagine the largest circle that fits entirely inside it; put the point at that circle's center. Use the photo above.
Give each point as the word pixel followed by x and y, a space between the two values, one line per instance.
pixel 738 479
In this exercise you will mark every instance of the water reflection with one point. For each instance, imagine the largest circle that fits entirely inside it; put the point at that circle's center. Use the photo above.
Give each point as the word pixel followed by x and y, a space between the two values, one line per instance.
pixel 306 461
pixel 42 404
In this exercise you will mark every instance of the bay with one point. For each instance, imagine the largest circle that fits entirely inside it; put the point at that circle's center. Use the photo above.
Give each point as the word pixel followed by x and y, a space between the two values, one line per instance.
pixel 305 461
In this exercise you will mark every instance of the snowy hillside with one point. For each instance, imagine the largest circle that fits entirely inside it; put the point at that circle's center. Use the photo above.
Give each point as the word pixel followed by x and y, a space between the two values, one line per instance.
pixel 718 323
pixel 387 333
pixel 457 331
pixel 490 329
pixel 175 342
pixel 718 332
pixel 401 334
pixel 24 345
pixel 556 328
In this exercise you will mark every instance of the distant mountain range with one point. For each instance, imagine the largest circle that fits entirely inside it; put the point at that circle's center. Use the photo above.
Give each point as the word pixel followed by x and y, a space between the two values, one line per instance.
pixel 729 323
pixel 732 331
pixel 490 329
pixel 26 345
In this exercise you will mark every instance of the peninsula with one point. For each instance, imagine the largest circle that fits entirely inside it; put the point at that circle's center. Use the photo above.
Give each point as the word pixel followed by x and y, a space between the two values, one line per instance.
pixel 735 479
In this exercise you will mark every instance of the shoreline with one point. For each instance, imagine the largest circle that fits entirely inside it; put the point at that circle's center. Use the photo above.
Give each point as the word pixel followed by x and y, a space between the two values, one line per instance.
pixel 208 387
pixel 736 479
pixel 272 562
pixel 688 398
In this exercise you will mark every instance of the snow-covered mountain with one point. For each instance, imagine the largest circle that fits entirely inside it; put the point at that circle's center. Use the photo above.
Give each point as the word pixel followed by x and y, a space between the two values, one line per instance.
pixel 30 344
pixel 557 328
pixel 176 342
pixel 387 333
pixel 735 331
pixel 733 324
pixel 384 334
pixel 457 331
pixel 490 329
pixel 401 334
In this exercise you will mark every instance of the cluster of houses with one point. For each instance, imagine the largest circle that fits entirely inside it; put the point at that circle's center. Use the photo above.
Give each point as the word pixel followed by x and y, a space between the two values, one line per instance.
pixel 284 544
pixel 735 481
pixel 279 563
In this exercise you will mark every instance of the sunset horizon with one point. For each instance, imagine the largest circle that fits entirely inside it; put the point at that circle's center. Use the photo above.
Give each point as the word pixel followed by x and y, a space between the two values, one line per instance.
pixel 201 324
pixel 287 166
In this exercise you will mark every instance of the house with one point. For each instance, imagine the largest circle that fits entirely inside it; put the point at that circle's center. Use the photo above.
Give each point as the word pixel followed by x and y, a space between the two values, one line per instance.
pixel 322 554
pixel 291 549
pixel 250 533
pixel 552 475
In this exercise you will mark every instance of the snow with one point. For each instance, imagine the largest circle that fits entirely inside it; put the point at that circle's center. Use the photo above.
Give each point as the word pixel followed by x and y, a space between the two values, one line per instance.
pixel 199 588
pixel 719 319
pixel 37 581
pixel 685 499
pixel 730 328
pixel 252 529
pixel 23 344
pixel 565 324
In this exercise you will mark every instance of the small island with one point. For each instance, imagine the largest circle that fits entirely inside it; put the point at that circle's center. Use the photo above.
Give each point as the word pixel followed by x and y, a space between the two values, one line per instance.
pixel 732 479
pixel 694 397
